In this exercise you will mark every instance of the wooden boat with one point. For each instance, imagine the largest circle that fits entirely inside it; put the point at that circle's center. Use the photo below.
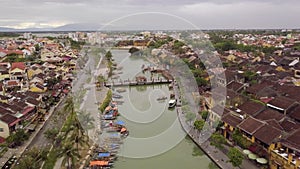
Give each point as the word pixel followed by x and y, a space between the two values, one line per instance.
pixel 101 163
pixel 121 90
pixel 162 98
pixel 108 117
pixel 117 96
pixel 172 103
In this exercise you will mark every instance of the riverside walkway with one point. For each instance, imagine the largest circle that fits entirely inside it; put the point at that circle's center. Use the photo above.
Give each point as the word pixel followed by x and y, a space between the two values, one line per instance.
pixel 202 140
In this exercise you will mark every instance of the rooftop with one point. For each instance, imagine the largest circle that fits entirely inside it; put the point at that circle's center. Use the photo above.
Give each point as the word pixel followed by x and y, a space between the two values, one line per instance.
pixel 250 125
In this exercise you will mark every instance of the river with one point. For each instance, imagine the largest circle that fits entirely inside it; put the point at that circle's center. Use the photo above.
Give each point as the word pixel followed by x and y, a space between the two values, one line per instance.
pixel 145 117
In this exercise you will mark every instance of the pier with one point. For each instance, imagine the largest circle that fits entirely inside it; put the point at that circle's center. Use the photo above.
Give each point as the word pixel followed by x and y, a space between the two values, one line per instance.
pixel 137 83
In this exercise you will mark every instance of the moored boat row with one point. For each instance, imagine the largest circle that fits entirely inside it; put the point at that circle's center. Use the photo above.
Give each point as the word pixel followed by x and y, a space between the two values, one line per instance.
pixel 115 131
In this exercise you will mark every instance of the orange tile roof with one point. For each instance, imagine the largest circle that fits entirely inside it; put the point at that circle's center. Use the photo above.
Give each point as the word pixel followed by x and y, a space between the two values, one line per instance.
pixel 20 65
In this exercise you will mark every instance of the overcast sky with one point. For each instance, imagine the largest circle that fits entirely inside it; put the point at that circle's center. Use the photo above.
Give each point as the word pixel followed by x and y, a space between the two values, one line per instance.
pixel 152 14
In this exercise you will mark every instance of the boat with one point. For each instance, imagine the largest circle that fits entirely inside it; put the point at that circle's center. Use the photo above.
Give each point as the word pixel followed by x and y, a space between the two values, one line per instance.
pixel 115 77
pixel 170 86
pixel 124 132
pixel 117 96
pixel 121 90
pixel 119 102
pixel 172 103
pixel 101 163
pixel 162 98
pixel 108 117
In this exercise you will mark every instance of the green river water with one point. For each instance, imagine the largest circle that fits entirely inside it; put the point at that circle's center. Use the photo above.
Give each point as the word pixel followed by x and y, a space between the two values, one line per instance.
pixel 151 117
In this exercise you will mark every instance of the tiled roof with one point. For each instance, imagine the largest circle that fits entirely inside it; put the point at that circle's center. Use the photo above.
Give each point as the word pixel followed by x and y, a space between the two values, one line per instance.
pixel 289 126
pixel 20 65
pixel 232 120
pixel 9 119
pixel 281 102
pixel 267 134
pixel 293 141
pixel 251 108
pixel 250 125
pixel 269 114
pixel 295 114
pixel 235 86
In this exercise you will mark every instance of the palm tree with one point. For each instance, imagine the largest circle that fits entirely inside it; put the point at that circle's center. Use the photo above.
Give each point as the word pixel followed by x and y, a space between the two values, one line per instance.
pixel 69 105
pixel 86 120
pixel 74 128
pixel 69 154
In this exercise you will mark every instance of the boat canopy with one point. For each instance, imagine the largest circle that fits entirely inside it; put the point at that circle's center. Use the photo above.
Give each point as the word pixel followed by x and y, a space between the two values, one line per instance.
pixel 120 122
pixel 108 116
pixel 103 154
pixel 99 163
pixel 172 101
pixel 123 129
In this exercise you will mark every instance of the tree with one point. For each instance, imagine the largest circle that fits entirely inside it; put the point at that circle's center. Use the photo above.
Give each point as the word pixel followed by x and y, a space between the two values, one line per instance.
pixel 217 140
pixel 86 120
pixel 212 165
pixel 69 154
pixel 18 137
pixel 249 75
pixel 108 55
pixel 198 124
pixel 190 116
pixel 133 50
pixel 32 159
pixel 51 133
pixel 240 140
pixel 100 80
pixel 204 114
pixel 235 157
pixel 73 127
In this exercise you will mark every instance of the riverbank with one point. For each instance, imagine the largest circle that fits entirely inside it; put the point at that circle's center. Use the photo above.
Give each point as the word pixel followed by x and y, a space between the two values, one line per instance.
pixel 216 155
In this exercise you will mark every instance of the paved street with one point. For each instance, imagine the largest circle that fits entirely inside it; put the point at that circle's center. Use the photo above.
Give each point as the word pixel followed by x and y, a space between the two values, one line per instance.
pixel 36 138
pixel 201 138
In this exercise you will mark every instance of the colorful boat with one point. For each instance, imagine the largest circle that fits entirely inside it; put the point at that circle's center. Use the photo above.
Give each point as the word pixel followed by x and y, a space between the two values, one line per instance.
pixel 172 103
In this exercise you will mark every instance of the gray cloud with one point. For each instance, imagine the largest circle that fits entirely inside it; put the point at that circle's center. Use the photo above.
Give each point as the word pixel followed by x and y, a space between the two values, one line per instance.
pixel 203 13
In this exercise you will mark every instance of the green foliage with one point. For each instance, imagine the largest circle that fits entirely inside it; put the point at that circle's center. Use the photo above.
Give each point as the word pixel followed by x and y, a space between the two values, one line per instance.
pixel 76 44
pixel 9 34
pixel 51 159
pixel 133 50
pixel 240 140
pixel 158 43
pixel 198 124
pixel 235 157
pixel 51 133
pixel 32 159
pixel 177 47
pixel 212 165
pixel 225 45
pixel 86 120
pixel 201 81
pixel 197 151
pixel 204 114
pixel 69 154
pixel 18 137
pixel 249 75
pixel 108 55
pixel 106 101
pixel 15 58
pixel 217 140
pixel 190 116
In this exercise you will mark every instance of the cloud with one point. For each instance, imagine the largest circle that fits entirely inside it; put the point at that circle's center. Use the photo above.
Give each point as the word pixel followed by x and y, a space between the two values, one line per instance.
pixel 204 13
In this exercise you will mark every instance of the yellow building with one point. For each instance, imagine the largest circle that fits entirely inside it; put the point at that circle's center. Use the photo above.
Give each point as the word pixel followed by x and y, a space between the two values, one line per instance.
pixel 286 154
pixel 37 88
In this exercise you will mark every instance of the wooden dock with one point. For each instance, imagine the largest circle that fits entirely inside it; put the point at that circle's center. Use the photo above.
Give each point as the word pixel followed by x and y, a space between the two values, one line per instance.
pixel 137 83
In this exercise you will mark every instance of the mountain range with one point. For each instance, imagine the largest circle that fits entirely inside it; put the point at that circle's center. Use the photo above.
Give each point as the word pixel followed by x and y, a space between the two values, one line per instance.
pixel 68 27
